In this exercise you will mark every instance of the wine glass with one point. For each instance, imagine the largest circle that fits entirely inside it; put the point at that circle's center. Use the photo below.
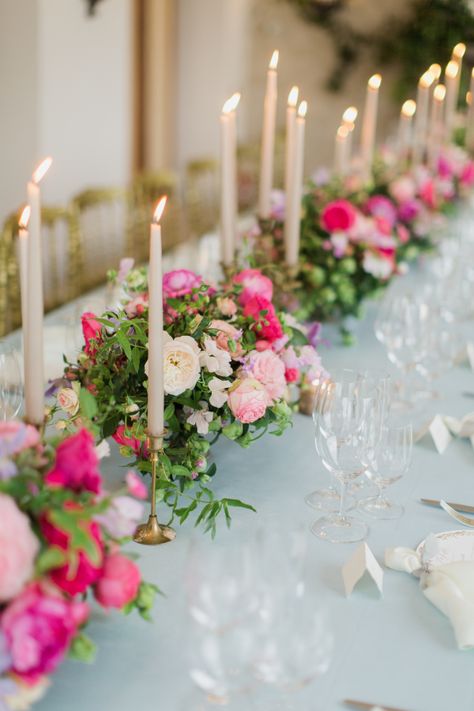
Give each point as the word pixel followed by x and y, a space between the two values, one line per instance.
pixel 223 605
pixel 347 415
pixel 11 387
pixel 389 459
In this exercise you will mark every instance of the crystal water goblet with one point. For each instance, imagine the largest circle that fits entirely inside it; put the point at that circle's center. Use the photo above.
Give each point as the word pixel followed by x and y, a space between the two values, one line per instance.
pixel 389 458
pixel 11 386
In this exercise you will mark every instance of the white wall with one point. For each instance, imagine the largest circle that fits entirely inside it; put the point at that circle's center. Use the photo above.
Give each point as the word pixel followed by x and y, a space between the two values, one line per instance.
pixel 18 99
pixel 213 41
pixel 78 102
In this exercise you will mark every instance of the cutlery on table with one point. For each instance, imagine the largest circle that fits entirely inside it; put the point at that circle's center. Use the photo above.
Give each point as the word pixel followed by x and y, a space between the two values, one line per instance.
pixel 464 508
pixel 457 516
pixel 364 706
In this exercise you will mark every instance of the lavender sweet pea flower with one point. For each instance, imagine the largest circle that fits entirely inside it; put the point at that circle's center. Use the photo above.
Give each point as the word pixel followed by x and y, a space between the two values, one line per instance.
pixel 125 267
pixel 321 177
pixel 313 333
pixel 278 205
pixel 57 384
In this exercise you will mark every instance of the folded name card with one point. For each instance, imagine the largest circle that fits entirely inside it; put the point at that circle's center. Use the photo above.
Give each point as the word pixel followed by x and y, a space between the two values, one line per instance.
pixel 362 563
pixel 438 432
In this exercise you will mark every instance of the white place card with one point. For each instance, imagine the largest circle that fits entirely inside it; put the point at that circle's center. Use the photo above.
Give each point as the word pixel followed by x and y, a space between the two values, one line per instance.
pixel 362 563
pixel 470 354
pixel 438 432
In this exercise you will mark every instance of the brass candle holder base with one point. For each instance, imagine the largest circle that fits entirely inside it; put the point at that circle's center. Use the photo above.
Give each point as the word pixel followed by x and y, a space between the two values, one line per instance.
pixel 152 533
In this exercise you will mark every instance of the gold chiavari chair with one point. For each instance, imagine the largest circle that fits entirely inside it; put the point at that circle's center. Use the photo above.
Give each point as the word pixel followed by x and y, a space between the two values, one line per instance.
pixel 146 189
pixel 202 195
pixel 248 156
pixel 101 216
pixel 61 264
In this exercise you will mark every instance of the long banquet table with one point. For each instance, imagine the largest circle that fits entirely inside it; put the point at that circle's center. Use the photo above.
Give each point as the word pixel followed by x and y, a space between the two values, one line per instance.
pixel 398 650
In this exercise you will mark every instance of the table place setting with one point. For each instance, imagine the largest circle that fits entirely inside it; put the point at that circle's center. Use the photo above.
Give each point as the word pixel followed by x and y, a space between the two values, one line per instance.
pixel 200 409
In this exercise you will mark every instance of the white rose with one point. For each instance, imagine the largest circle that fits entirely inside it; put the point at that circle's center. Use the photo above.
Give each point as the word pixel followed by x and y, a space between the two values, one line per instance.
pixel 181 367
pixel 68 401
pixel 379 267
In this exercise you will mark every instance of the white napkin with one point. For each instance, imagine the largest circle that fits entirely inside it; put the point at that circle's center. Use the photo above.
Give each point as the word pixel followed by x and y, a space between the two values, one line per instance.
pixel 449 587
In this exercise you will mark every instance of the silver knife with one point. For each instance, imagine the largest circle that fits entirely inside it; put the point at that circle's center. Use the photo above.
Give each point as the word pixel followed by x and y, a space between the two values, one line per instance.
pixel 458 507
pixel 363 706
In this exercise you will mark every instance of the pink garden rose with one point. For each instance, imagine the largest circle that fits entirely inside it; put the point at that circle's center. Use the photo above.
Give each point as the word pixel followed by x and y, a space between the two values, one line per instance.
pixel 268 327
pixel 254 284
pixel 39 627
pixel 403 189
pixel 247 400
pixel 136 306
pixel 74 577
pixel 119 582
pixel 227 306
pixel 77 465
pixel 269 370
pixel 179 283
pixel 226 333
pixel 427 193
pixel 91 330
pixel 383 208
pixel 18 549
pixel 338 216
pixel 17 436
pixel 409 210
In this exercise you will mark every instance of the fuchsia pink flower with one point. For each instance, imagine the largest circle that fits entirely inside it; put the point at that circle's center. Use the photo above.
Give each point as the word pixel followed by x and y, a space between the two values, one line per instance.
pixel 124 440
pixel 247 400
pixel 338 216
pixel 119 582
pixel 18 549
pixel 179 283
pixel 39 627
pixel 75 576
pixel 91 330
pixel 135 485
pixel 254 284
pixel 262 311
pixel 467 174
pixel 77 465
pixel 382 207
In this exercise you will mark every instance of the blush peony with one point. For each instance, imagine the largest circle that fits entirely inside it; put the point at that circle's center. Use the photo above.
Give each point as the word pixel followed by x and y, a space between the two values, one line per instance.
pixel 18 549
pixel 268 327
pixel 39 628
pixel 119 582
pixel 247 400
pixel 269 370
pixel 75 576
pixel 179 283
pixel 338 216
pixel 68 401
pixel 382 207
pixel 254 283
pixel 226 333
pixel 77 465
pixel 181 363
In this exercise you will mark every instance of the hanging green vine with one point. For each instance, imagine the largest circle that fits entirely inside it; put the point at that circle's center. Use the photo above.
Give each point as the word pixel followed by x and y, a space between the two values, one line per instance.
pixel 425 34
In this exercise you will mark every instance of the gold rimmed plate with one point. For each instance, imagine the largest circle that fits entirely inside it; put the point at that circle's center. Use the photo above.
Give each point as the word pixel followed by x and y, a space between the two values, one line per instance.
pixel 447 547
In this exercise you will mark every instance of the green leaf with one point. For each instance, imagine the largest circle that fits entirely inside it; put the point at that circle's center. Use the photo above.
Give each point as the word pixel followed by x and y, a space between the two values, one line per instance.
pixel 233 431
pixel 179 470
pixel 88 404
pixel 82 649
pixel 125 343
pixel 236 503
pixel 48 559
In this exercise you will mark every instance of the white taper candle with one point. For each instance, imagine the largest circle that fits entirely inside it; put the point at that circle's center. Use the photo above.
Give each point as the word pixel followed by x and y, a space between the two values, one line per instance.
pixel 156 393
pixel 268 139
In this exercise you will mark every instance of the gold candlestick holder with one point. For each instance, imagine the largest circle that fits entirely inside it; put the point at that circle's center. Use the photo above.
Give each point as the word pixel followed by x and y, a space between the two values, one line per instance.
pixel 152 533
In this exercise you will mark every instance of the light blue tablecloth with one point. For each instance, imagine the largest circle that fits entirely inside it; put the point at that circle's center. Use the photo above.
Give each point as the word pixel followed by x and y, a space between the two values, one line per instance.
pixel 398 650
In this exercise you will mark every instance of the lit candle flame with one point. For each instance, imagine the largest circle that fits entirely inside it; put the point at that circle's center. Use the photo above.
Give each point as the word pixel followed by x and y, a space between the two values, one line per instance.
pixel 375 81
pixel 24 217
pixel 159 209
pixel 409 108
pixel 274 60
pixel 439 93
pixel 468 98
pixel 342 132
pixel 459 50
pixel 42 169
pixel 231 104
pixel 350 114
pixel 452 69
pixel 293 96
pixel 427 79
pixel 435 71
pixel 302 109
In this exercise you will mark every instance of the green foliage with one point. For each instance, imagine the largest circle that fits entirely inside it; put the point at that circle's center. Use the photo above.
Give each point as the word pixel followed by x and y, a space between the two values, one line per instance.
pixel 82 649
